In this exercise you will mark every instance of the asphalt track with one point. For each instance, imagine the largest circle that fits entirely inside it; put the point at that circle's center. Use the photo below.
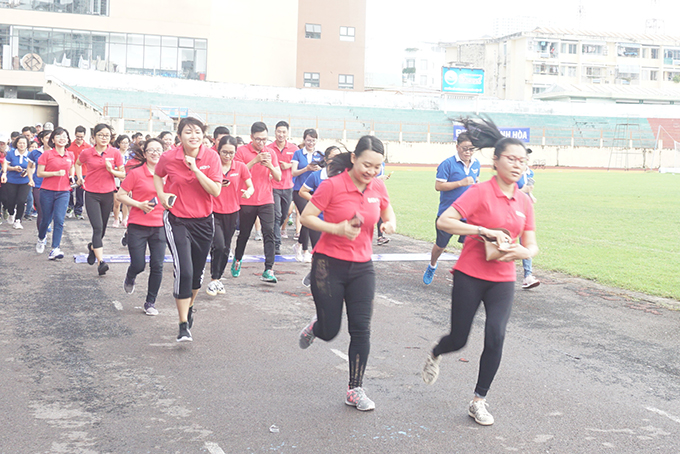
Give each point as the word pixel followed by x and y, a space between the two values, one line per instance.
pixel 587 368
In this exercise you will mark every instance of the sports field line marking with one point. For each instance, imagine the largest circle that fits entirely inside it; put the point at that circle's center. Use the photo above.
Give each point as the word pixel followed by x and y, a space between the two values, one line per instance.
pixel 340 354
pixel 117 305
pixel 398 303
pixel 213 448
pixel 663 413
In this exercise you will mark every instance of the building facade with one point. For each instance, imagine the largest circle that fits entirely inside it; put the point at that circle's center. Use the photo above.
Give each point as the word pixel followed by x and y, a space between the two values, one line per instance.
pixel 422 66
pixel 545 62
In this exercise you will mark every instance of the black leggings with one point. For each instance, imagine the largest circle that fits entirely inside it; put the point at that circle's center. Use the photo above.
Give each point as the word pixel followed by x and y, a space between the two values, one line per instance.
pixel 38 207
pixel 225 226
pixel 468 292
pixel 15 198
pixel 247 217
pixel 139 236
pixel 300 204
pixel 99 207
pixel 189 241
pixel 334 281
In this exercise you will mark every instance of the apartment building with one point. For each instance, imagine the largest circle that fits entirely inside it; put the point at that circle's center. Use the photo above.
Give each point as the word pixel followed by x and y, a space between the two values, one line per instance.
pixel 570 65
pixel 422 66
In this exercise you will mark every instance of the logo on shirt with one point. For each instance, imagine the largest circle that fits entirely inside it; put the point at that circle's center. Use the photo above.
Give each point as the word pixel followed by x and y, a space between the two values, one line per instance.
pixel 520 214
pixel 204 167
pixel 234 174
pixel 373 200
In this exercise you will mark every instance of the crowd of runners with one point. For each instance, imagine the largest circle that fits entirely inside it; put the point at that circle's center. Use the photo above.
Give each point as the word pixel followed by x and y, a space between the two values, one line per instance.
pixel 192 193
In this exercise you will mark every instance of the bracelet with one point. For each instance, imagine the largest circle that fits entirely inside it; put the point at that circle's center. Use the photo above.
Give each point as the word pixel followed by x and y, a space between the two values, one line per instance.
pixel 479 230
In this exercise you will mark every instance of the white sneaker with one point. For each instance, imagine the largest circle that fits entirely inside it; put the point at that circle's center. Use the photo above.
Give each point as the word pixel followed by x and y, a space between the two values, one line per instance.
pixel 40 246
pixel 258 235
pixel 297 247
pixel 55 254
pixel 356 397
pixel 17 225
pixel 307 258
pixel 530 282
pixel 10 219
pixel 477 410
pixel 215 287
pixel 431 368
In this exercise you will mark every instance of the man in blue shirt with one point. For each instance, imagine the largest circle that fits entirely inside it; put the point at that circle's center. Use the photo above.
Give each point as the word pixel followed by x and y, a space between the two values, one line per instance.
pixel 454 176
pixel 526 185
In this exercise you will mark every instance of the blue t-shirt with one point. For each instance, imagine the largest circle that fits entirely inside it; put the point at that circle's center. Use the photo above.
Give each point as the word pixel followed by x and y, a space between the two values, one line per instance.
pixel 13 158
pixel 301 158
pixel 315 180
pixel 34 156
pixel 524 179
pixel 453 169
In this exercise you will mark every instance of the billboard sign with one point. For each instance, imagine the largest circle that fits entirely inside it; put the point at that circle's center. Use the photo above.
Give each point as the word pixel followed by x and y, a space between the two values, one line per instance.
pixel 462 80
pixel 523 134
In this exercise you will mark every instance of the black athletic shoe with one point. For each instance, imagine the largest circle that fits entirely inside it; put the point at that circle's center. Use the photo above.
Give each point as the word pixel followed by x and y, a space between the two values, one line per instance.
pixel 190 317
pixel 102 268
pixel 307 281
pixel 184 333
pixel 123 241
pixel 91 258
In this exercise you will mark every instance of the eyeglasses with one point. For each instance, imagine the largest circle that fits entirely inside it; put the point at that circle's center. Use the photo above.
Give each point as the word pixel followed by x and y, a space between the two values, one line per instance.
pixel 513 160
pixel 467 149
pixel 154 151
pixel 228 153
pixel 260 140
pixel 103 136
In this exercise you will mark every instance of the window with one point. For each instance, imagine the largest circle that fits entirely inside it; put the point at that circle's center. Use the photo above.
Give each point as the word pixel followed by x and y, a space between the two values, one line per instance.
pixel 538 89
pixel 568 48
pixel 346 81
pixel 546 69
pixel 423 65
pixel 346 33
pixel 568 71
pixel 654 75
pixel 650 74
pixel 410 63
pixel 423 80
pixel 313 31
pixel 593 49
pixel 311 80
pixel 655 53
pixel 628 50
pixel 89 7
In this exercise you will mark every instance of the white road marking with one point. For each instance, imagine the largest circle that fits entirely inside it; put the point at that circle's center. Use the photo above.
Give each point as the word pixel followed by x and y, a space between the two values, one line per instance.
pixel 398 303
pixel 340 354
pixel 663 413
pixel 117 305
pixel 213 448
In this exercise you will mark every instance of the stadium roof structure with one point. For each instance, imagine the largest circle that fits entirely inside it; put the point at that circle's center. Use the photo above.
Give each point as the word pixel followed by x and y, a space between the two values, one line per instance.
pixel 616 93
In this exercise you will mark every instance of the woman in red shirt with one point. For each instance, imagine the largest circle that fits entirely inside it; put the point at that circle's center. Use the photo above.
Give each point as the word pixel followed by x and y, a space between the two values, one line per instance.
pixel 225 210
pixel 145 227
pixel 193 176
pixel 55 167
pixel 104 165
pixel 342 270
pixel 488 207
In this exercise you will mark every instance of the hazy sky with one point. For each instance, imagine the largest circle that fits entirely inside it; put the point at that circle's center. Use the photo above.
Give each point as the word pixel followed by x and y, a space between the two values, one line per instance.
pixel 393 25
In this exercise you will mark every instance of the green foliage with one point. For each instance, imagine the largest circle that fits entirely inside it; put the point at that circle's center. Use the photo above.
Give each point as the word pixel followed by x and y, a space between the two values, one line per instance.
pixel 408 71
pixel 618 228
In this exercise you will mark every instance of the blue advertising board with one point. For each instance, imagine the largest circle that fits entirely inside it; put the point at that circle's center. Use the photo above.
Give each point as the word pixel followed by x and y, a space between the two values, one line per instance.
pixel 523 134
pixel 175 112
pixel 462 80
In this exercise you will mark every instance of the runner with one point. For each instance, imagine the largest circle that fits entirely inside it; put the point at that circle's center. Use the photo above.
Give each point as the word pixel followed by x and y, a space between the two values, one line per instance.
pixel 122 143
pixel 104 164
pixel 193 177
pixel 488 207
pixel 526 185
pixel 225 209
pixel 56 168
pixel 455 175
pixel 167 139
pixel 342 270
pixel 77 199
pixel 16 180
pixel 264 166
pixel 283 190
pixel 33 158
pixel 146 222
pixel 304 162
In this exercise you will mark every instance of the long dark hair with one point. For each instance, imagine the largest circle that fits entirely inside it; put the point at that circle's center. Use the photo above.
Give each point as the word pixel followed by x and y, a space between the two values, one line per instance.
pixel 139 154
pixel 343 161
pixel 483 133
pixel 227 140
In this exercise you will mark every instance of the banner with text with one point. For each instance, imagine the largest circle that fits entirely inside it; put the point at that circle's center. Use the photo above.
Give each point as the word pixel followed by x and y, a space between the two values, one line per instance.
pixel 522 134
pixel 462 80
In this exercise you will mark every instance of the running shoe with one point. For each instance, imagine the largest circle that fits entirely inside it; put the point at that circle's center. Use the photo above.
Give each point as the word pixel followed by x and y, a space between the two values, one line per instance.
pixel 116 224
pixel 277 251
pixel 478 411
pixel 268 276
pixel 40 246
pixel 356 397
pixel 80 217
pixel 284 233
pixel 55 254
pixel 530 282
pixel 102 268
pixel 431 368
pixel 307 257
pixel 429 274
pixel 184 333
pixel 129 285
pixel 190 317
pixel 215 287
pixel 235 268
pixel 297 248
pixel 296 236
pixel 307 280
pixel 69 213
pixel 91 258
pixel 307 335
pixel 383 240
pixel 17 225
pixel 150 309
pixel 123 241
pixel 258 235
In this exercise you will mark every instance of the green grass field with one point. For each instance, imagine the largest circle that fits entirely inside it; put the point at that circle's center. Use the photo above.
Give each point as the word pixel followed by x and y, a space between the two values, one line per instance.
pixel 618 228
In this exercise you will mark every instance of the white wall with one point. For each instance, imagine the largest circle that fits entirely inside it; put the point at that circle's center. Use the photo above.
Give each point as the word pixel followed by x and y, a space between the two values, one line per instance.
pixel 17 113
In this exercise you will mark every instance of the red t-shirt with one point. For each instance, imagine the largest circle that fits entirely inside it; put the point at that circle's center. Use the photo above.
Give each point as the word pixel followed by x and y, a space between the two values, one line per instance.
pixel 192 200
pixel 339 199
pixel 485 205
pixel 139 185
pixel 229 200
pixel 99 179
pixel 262 180
pixel 76 150
pixel 54 162
pixel 285 155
